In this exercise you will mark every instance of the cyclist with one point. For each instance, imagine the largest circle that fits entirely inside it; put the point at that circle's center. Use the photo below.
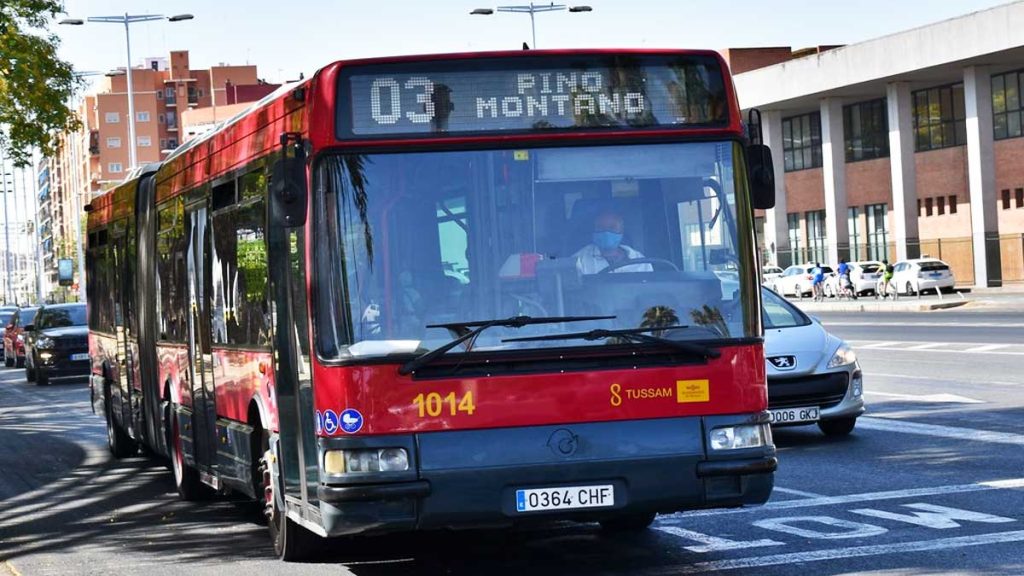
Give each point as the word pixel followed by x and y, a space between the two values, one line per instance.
pixel 819 282
pixel 845 285
pixel 887 272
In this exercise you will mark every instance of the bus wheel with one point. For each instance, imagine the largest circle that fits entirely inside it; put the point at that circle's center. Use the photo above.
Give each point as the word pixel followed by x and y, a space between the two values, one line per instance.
pixel 628 523
pixel 120 444
pixel 291 541
pixel 186 479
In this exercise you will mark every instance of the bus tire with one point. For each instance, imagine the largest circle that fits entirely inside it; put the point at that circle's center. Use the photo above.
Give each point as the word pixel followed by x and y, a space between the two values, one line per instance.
pixel 628 523
pixel 186 479
pixel 121 446
pixel 292 542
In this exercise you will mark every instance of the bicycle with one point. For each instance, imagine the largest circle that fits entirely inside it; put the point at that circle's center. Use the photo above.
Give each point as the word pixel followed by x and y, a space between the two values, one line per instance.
pixel 885 288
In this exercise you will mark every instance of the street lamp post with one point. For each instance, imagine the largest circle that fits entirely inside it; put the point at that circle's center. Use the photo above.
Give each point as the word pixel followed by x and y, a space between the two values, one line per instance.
pixel 126 20
pixel 7 234
pixel 531 9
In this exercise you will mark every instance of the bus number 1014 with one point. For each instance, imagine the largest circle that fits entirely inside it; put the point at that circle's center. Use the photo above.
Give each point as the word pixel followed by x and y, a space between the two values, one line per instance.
pixel 433 404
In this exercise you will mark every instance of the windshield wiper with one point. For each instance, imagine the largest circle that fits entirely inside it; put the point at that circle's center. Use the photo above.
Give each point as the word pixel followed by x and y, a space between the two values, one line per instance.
pixel 634 334
pixel 470 330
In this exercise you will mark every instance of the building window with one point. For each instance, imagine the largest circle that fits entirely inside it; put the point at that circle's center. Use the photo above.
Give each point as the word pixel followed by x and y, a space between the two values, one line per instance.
pixel 852 224
pixel 142 116
pixel 817 237
pixel 1006 199
pixel 163 143
pixel 1007 104
pixel 161 118
pixel 172 119
pixel 801 142
pixel 113 142
pixel 939 118
pixel 927 206
pixel 1018 195
pixel 878 231
pixel 866 128
pixel 112 118
pixel 952 204
pixel 940 205
pixel 793 220
pixel 172 143
pixel 159 95
pixel 145 141
pixel 115 168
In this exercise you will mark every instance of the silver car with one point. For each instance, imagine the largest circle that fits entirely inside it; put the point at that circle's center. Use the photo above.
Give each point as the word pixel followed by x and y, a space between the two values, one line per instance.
pixel 813 376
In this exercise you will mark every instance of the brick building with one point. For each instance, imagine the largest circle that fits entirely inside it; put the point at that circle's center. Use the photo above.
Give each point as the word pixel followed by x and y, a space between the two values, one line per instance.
pixel 97 157
pixel 896 147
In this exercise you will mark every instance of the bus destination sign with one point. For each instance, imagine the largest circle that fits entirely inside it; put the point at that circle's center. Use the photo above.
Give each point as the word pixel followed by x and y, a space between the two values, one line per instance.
pixel 504 96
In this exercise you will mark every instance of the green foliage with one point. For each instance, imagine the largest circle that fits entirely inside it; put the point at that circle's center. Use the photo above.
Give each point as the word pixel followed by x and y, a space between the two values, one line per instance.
pixel 35 84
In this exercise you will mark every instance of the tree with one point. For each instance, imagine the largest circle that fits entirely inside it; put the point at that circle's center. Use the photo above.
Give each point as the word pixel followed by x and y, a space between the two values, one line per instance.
pixel 35 84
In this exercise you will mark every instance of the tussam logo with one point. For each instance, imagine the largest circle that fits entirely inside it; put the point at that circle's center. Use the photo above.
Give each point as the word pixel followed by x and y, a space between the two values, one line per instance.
pixel 783 362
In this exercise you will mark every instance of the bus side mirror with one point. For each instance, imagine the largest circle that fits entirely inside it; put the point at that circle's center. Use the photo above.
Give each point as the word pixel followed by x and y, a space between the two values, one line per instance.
pixel 761 172
pixel 288 190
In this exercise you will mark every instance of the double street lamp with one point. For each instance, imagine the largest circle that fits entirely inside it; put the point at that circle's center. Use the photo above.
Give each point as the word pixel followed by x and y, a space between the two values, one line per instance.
pixel 531 9
pixel 126 20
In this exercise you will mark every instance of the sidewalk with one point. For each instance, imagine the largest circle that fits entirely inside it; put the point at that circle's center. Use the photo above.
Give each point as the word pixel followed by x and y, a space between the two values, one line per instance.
pixel 870 304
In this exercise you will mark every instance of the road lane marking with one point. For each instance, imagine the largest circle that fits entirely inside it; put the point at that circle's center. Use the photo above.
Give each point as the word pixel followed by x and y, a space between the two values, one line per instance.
pixel 842 553
pixel 987 348
pixel 841 529
pixel 1007 484
pixel 943 347
pixel 899 426
pixel 714 543
pixel 936 398
pixel 934 516
pixel 934 379
pixel 797 492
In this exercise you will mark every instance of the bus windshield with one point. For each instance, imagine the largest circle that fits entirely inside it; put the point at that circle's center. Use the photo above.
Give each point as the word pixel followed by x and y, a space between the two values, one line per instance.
pixel 647 234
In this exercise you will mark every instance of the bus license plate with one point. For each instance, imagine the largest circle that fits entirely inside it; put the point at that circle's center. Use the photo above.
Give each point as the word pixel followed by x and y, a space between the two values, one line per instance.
pixel 565 498
pixel 78 357
pixel 793 415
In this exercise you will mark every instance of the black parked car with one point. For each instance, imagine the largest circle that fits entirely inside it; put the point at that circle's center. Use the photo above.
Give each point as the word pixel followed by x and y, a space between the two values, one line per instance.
pixel 57 344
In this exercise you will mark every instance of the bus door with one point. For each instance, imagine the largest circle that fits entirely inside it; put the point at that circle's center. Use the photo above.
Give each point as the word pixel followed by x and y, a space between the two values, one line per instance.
pixel 120 285
pixel 204 415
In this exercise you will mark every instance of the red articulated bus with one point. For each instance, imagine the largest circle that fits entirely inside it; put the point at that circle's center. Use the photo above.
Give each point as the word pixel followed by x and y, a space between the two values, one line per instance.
pixel 445 292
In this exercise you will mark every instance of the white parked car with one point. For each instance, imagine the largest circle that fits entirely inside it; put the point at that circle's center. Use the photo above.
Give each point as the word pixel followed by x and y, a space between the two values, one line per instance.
pixel 919 274
pixel 769 274
pixel 864 275
pixel 813 376
pixel 798 280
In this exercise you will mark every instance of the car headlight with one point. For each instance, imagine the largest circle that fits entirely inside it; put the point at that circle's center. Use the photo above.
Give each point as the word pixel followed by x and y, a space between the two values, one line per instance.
pixel 738 437
pixel 361 461
pixel 844 356
pixel 44 342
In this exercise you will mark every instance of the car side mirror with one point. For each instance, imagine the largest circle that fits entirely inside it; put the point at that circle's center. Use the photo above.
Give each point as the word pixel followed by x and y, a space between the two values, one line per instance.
pixel 288 191
pixel 761 172
pixel 30 327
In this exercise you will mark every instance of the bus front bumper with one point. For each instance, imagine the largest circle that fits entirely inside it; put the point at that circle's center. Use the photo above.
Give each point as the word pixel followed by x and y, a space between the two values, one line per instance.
pixel 470 479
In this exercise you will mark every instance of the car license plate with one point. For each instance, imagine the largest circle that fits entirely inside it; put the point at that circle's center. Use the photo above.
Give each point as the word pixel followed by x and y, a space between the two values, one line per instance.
pixel 565 498
pixel 793 415
pixel 81 356
pixel 936 274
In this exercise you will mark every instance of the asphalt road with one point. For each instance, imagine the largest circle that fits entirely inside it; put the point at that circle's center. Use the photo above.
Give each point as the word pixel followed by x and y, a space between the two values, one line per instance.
pixel 930 482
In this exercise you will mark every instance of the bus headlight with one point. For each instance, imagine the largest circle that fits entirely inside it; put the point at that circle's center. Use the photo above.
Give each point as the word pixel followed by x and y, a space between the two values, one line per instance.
pixel 362 461
pixel 738 437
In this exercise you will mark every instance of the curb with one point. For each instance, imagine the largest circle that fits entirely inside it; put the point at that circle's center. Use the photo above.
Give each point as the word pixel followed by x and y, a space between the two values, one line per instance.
pixel 884 306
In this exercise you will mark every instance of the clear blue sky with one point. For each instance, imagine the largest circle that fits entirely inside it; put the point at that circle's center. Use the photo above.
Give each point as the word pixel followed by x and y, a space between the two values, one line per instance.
pixel 287 37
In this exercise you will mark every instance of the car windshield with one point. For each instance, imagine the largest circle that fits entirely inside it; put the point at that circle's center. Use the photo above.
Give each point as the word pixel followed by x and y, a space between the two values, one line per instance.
pixel 5 316
pixel 644 233
pixel 27 316
pixel 61 317
pixel 780 314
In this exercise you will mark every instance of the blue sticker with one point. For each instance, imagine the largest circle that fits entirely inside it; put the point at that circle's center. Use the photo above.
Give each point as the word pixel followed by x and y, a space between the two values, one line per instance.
pixel 319 423
pixel 351 421
pixel 330 422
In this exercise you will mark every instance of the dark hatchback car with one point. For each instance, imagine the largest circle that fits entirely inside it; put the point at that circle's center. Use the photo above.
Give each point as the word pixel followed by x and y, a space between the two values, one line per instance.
pixel 57 344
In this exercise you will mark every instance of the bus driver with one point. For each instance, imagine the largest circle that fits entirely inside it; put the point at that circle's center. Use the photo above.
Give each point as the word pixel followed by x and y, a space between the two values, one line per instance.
pixel 606 248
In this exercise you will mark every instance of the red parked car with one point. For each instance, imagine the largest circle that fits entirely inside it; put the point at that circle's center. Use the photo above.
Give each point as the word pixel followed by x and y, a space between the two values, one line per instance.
pixel 6 313
pixel 14 339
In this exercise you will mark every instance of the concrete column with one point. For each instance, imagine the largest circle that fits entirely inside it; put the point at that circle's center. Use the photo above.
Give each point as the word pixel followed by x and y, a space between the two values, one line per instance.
pixel 776 228
pixel 833 158
pixel 981 177
pixel 904 174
